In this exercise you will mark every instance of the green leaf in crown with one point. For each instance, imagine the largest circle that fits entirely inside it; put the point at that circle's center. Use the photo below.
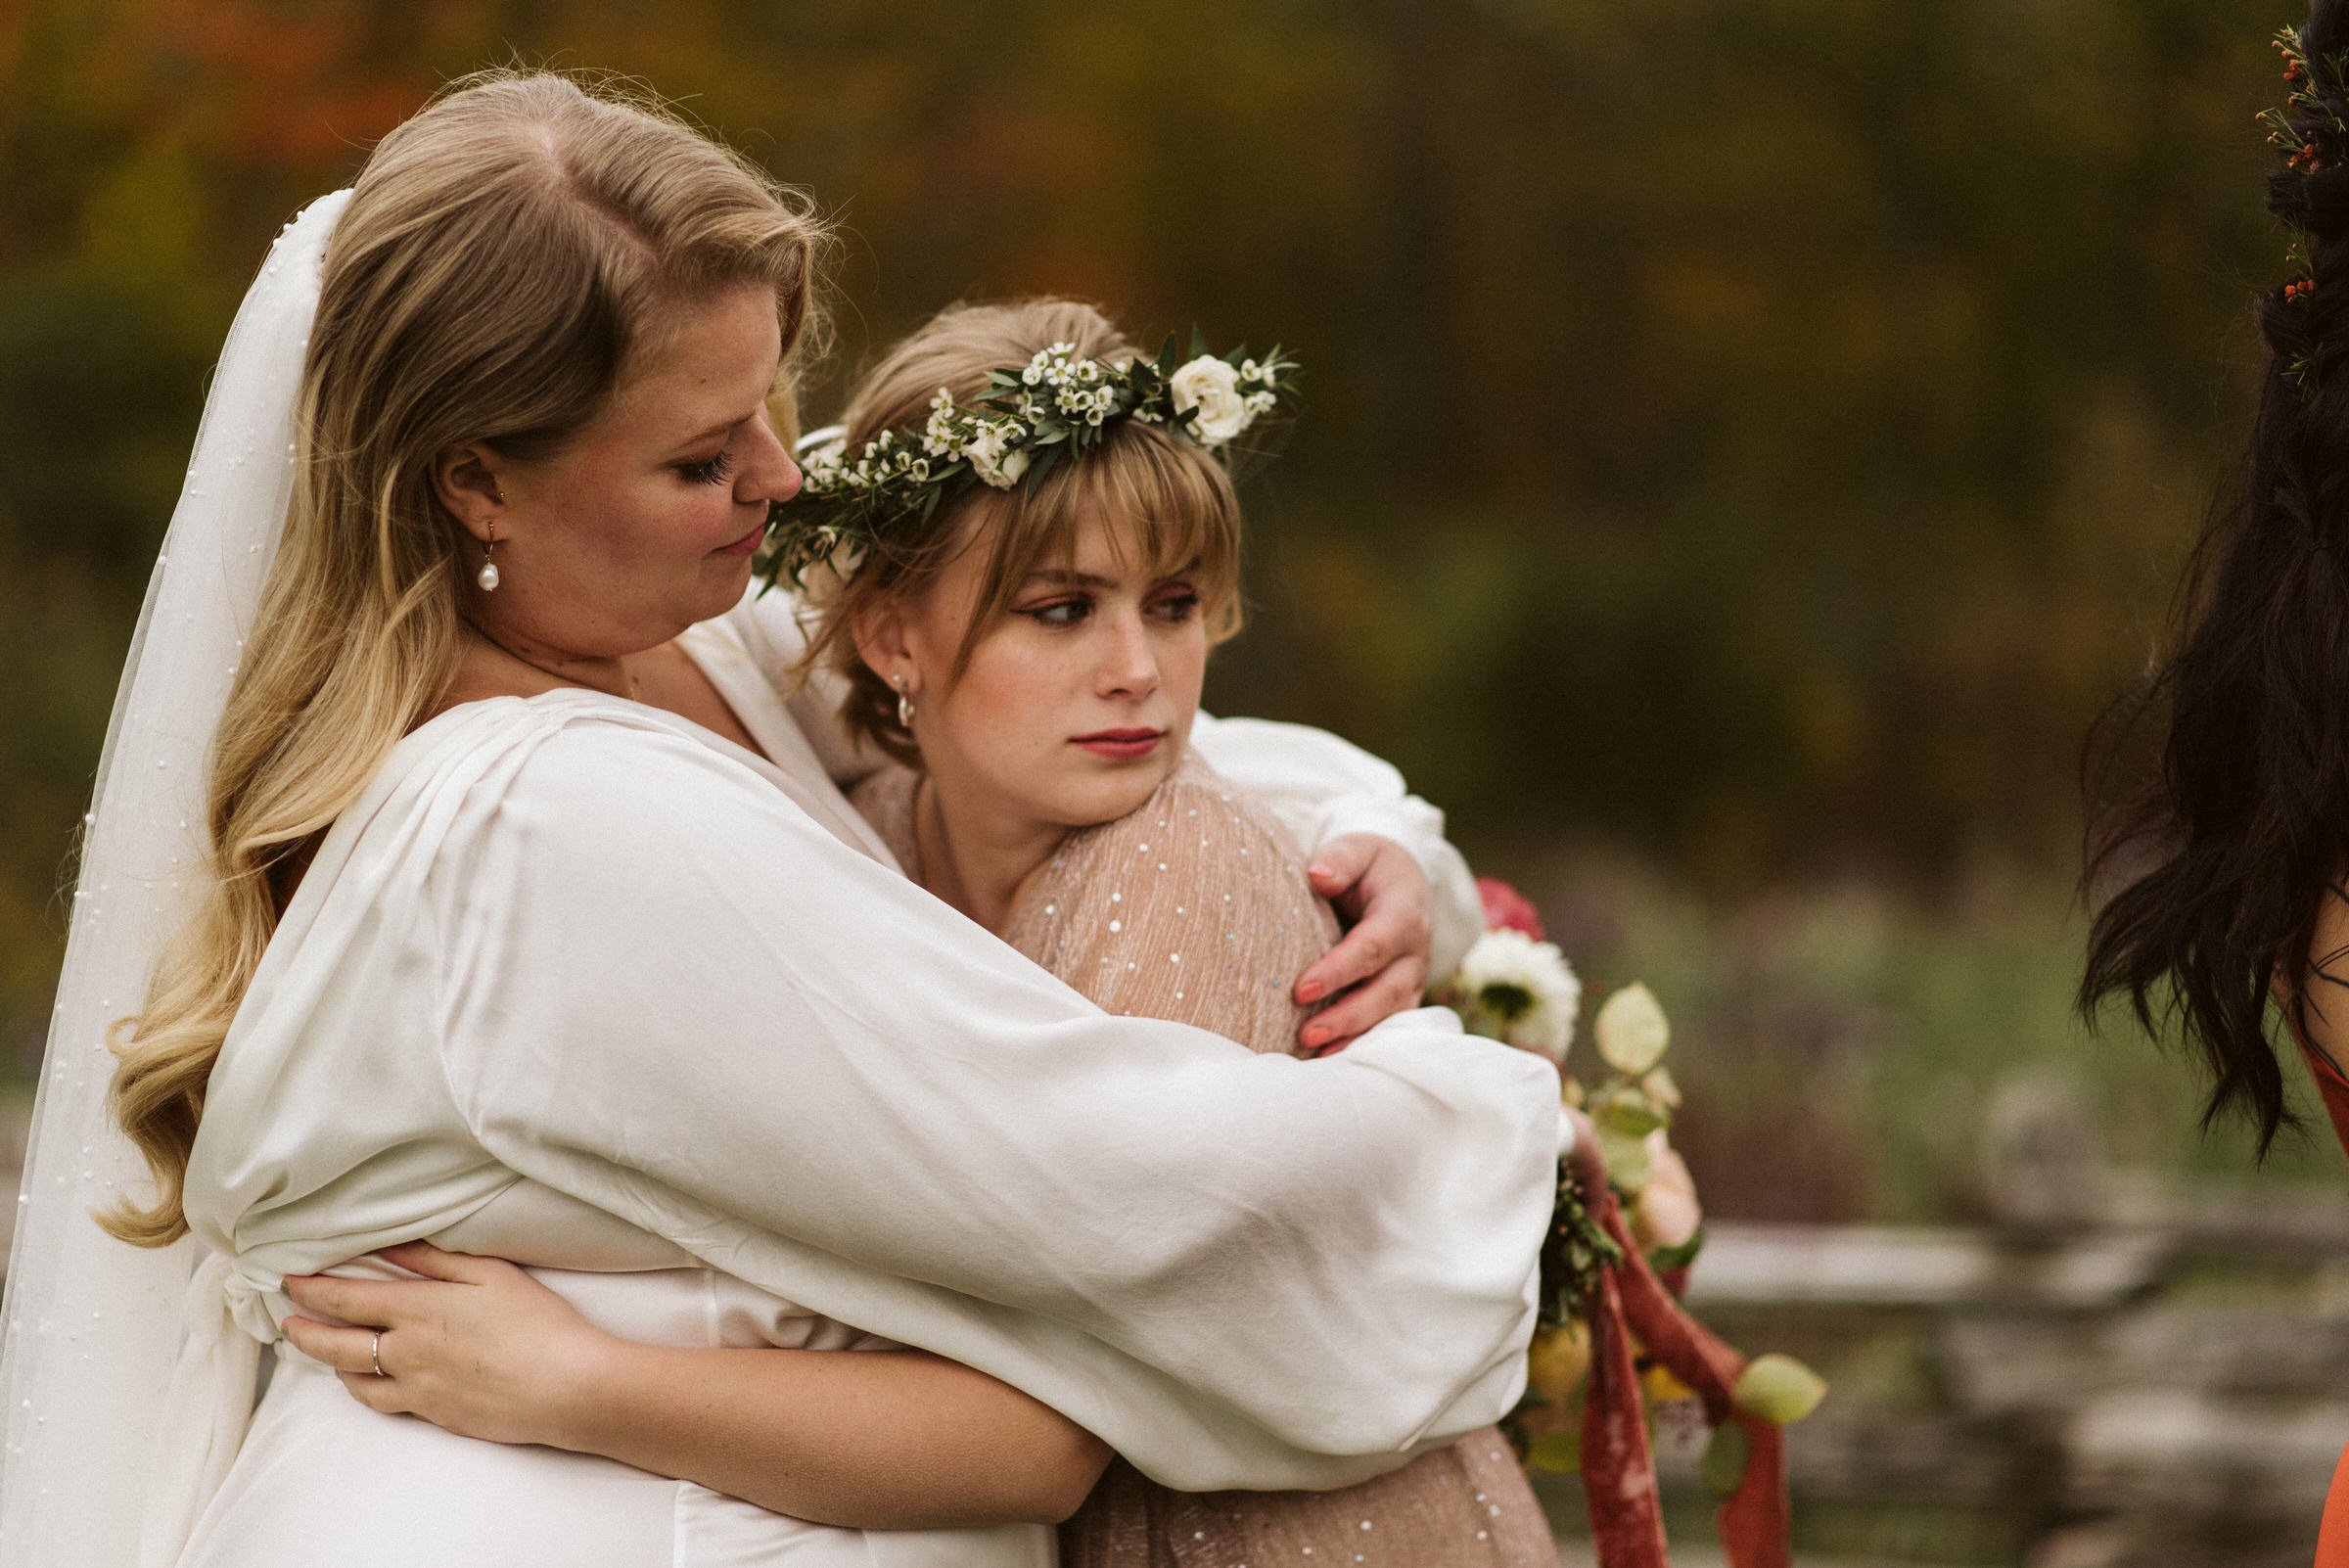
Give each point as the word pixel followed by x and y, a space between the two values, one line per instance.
pixel 1030 419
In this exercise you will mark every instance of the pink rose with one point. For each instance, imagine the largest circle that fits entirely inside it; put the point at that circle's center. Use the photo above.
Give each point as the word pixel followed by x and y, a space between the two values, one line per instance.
pixel 1507 909
pixel 1666 1212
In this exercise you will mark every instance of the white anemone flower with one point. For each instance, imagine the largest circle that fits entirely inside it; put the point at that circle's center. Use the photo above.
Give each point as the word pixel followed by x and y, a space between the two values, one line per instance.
pixel 1517 989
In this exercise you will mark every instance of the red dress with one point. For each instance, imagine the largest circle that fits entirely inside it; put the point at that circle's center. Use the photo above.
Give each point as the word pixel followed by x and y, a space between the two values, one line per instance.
pixel 2333 1536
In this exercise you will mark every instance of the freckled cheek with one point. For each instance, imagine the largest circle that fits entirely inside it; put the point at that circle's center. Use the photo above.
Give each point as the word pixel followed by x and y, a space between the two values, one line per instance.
pixel 1006 706
pixel 1183 669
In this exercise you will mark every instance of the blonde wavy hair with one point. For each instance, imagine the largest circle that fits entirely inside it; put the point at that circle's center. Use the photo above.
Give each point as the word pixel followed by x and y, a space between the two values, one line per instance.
pixel 506 255
pixel 1174 497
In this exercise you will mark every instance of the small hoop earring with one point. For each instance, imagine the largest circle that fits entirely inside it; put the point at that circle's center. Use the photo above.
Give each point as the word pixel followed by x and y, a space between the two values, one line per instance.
pixel 904 703
pixel 487 576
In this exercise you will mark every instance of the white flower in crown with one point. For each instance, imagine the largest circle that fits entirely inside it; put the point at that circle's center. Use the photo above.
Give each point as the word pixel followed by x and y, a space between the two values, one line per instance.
pixel 1517 989
pixel 1264 376
pixel 824 466
pixel 1213 388
pixel 988 451
pixel 942 436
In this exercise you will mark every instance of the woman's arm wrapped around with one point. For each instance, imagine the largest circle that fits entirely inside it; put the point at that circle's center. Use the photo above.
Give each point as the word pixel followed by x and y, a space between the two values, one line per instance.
pixel 671 994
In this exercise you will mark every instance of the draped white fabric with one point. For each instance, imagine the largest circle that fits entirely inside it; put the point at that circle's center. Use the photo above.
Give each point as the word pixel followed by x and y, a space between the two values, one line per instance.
pixel 579 942
pixel 91 1324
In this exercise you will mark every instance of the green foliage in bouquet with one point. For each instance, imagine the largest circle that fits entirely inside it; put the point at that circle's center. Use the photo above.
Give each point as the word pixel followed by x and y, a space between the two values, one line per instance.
pixel 1517 987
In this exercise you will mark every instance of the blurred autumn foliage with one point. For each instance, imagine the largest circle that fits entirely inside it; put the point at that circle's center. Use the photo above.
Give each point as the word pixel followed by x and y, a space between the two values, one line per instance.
pixel 1756 435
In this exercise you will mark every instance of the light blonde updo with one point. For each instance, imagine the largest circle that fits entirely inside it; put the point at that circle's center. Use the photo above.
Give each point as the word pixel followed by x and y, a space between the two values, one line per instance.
pixel 1175 497
pixel 506 257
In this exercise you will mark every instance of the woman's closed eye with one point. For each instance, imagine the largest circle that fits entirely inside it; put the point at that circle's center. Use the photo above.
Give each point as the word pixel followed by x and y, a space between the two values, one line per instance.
pixel 710 470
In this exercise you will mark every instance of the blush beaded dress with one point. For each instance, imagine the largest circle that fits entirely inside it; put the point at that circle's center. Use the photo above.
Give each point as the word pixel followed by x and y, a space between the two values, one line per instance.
pixel 1195 907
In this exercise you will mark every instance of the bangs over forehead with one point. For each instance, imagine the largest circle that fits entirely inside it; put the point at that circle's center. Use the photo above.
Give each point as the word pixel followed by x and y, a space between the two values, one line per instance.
pixel 1169 504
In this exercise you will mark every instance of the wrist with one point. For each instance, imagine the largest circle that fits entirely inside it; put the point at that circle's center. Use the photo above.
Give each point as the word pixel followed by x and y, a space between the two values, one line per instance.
pixel 588 1389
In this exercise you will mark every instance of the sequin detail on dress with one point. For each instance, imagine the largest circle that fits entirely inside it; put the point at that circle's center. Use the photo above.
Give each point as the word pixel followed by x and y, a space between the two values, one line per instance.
pixel 1210 923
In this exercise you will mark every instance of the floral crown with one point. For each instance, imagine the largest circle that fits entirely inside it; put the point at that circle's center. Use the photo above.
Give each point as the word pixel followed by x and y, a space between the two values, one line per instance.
pixel 2308 128
pixel 1029 419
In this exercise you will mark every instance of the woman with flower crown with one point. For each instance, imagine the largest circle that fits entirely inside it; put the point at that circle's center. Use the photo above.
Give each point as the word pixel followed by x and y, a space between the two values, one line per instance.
pixel 1031 655
pixel 2224 870
pixel 452 898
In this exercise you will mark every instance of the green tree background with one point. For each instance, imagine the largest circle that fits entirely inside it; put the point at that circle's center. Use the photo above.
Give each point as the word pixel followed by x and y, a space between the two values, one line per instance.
pixel 1748 442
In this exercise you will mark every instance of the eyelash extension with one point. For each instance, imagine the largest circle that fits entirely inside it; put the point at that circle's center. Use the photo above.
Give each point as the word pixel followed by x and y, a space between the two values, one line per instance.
pixel 711 470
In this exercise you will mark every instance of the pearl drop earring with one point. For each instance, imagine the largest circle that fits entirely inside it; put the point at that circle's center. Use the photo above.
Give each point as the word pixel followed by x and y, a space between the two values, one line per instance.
pixel 487 576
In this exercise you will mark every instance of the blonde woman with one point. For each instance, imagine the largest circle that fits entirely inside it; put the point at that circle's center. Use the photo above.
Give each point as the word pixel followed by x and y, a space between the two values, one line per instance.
pixel 437 922
pixel 1035 658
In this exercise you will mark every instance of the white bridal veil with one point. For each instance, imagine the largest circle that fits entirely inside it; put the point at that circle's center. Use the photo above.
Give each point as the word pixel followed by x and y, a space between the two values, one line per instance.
pixel 92 1325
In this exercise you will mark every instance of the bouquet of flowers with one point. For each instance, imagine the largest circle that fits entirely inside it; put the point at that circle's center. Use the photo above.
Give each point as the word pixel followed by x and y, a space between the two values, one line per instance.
pixel 1614 1343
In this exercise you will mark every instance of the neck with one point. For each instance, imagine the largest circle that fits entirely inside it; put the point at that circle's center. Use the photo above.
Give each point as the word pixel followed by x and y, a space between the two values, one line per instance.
pixel 977 859
pixel 527 664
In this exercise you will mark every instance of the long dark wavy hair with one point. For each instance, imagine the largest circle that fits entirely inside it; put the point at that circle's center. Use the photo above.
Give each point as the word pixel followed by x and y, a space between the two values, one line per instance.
pixel 2229 842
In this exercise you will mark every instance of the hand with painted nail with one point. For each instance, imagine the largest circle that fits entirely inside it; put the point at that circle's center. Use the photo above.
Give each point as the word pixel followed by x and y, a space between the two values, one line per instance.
pixel 1380 967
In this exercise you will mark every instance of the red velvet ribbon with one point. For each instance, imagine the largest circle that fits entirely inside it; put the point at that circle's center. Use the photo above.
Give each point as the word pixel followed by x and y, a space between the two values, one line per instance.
pixel 1619 1471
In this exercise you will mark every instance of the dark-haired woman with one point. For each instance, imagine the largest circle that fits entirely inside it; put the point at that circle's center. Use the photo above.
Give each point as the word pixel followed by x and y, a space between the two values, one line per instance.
pixel 2232 860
